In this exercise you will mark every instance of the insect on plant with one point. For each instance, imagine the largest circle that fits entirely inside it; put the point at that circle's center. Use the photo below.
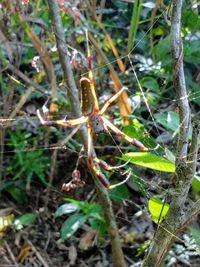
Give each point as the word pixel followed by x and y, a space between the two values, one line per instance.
pixel 96 122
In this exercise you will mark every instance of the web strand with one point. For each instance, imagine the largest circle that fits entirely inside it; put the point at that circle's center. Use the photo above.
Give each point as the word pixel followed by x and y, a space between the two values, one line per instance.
pixel 191 96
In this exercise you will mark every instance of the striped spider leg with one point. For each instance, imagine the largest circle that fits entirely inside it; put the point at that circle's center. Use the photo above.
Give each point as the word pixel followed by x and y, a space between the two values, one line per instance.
pixel 96 123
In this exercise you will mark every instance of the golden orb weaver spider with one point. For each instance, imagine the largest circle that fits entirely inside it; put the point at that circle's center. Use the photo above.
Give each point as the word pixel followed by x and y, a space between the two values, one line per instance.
pixel 96 122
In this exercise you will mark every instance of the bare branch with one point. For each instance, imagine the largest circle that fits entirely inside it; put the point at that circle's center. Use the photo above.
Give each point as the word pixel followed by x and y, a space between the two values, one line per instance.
pixel 63 56
pixel 179 83
pixel 179 215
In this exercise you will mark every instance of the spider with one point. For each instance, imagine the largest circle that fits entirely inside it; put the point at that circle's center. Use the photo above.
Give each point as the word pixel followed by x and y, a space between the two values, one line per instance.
pixel 96 122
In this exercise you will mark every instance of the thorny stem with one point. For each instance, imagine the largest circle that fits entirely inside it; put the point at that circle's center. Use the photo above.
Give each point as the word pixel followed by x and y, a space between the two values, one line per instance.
pixel 118 258
pixel 179 215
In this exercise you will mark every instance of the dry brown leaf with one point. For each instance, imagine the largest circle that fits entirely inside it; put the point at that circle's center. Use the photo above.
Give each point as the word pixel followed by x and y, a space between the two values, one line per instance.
pixel 25 252
pixel 87 240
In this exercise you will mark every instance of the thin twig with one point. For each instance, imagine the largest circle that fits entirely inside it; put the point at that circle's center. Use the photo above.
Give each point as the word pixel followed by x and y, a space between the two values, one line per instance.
pixel 21 102
pixel 25 78
pixel 53 164
pixel 11 254
pixel 37 253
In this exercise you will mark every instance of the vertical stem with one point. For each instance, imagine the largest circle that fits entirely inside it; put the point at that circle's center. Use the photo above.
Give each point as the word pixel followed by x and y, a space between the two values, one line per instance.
pixel 2 133
pixel 63 56
pixel 118 258
pixel 134 23
pixel 179 83
pixel 117 253
pixel 169 228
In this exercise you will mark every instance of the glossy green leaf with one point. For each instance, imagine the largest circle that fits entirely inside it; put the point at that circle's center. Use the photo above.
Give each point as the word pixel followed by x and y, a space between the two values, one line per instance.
pixel 72 224
pixel 66 209
pixel 158 209
pixel 150 161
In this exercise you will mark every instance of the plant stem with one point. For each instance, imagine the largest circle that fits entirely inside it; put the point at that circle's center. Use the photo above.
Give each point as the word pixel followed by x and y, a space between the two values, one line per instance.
pixel 134 24
pixel 180 214
pixel 118 258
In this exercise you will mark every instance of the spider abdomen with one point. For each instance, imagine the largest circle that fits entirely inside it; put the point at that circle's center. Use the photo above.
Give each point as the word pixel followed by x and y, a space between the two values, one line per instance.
pixel 87 99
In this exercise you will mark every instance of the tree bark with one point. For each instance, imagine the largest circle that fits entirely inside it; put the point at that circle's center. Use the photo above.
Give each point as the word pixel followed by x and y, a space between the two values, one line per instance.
pixel 179 215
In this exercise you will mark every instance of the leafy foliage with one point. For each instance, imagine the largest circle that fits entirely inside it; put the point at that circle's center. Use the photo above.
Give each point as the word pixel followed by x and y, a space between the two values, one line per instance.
pixel 24 220
pixel 147 38
pixel 150 161
pixel 158 209
pixel 90 213
pixel 27 163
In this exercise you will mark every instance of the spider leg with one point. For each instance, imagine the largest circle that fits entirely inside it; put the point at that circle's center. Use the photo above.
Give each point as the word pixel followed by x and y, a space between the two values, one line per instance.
pixel 133 141
pixel 62 122
pixel 94 162
pixel 123 182
pixel 112 99
pixel 91 163
pixel 108 167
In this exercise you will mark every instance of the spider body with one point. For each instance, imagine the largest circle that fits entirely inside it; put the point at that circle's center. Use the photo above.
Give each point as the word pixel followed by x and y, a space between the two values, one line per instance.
pixel 96 123
pixel 90 107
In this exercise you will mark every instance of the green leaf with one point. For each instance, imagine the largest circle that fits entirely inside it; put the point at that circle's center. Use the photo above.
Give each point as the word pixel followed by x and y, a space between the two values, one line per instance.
pixel 99 225
pixel 135 129
pixel 169 155
pixel 26 219
pixel 72 224
pixel 17 193
pixel 191 51
pixel 86 207
pixel 191 20
pixel 95 211
pixel 150 83
pixel 158 209
pixel 118 193
pixel 150 161
pixel 170 120
pixel 66 209
pixel 140 183
pixel 196 184
pixel 160 30
pixel 196 235
pixel 76 202
pixel 162 51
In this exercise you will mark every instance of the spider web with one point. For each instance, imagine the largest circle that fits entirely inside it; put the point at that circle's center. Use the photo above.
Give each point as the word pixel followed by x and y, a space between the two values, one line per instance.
pixel 191 96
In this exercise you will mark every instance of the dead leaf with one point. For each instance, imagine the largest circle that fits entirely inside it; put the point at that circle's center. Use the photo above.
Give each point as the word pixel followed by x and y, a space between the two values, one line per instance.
pixel 87 240
pixel 25 252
